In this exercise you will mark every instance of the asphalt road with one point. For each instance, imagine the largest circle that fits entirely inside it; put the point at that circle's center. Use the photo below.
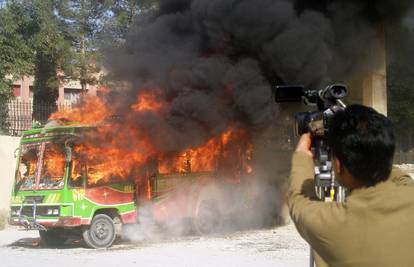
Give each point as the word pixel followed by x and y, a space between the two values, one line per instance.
pixel 274 247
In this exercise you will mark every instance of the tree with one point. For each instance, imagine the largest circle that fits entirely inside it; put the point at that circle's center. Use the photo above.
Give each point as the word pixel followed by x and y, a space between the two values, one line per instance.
pixel 82 21
pixel 52 51
pixel 57 40
pixel 123 15
pixel 32 43
pixel 16 55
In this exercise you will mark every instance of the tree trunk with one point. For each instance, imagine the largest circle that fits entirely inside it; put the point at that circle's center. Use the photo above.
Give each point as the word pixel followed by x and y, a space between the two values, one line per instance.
pixel 84 68
pixel 45 88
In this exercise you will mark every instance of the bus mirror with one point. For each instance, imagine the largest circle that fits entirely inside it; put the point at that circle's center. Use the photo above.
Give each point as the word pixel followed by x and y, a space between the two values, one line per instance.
pixel 68 154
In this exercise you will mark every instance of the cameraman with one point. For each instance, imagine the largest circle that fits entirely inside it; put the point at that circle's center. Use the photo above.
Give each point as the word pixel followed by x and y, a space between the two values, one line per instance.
pixel 375 226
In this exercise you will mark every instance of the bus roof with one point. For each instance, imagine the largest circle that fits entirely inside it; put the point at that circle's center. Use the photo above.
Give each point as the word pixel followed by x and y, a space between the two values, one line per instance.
pixel 52 130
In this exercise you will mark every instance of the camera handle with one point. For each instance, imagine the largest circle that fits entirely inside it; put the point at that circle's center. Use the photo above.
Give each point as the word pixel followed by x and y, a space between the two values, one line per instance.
pixel 327 189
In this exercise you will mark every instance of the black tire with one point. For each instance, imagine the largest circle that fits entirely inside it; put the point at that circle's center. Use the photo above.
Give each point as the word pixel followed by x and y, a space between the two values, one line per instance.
pixel 52 237
pixel 101 233
pixel 208 218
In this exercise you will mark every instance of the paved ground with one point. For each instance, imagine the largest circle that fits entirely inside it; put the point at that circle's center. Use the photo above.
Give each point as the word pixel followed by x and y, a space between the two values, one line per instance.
pixel 275 247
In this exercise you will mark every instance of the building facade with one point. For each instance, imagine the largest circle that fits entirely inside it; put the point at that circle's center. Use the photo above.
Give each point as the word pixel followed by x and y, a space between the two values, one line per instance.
pixel 69 91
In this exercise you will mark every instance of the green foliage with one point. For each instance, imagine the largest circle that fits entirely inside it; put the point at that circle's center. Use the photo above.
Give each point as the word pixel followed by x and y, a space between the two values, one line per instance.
pixel 3 218
pixel 59 39
pixel 31 42
pixel 91 25
pixel 4 98
pixel 124 12
pixel 51 51
pixel 15 52
pixel 83 22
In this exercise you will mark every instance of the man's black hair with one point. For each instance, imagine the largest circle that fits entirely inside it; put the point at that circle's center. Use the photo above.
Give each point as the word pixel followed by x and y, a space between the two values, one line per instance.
pixel 364 142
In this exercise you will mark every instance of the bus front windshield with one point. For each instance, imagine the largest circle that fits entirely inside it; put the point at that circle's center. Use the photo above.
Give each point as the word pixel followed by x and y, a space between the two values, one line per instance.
pixel 42 166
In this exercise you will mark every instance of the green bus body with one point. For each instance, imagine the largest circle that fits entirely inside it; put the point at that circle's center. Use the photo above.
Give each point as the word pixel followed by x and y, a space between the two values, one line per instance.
pixel 69 206
pixel 57 208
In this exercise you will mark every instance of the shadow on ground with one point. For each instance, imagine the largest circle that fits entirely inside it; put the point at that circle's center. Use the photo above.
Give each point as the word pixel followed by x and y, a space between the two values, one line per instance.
pixel 34 243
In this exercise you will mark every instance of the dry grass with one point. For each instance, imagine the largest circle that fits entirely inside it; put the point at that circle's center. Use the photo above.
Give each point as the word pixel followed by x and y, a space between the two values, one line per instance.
pixel 3 218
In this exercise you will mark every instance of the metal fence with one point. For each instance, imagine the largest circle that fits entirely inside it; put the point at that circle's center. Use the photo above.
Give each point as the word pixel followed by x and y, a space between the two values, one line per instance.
pixel 21 114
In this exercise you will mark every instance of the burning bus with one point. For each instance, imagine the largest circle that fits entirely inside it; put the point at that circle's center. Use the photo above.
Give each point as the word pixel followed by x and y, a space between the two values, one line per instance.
pixel 67 184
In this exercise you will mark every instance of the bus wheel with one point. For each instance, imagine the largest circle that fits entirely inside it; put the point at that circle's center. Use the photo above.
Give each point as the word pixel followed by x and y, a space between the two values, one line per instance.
pixel 208 217
pixel 101 233
pixel 52 237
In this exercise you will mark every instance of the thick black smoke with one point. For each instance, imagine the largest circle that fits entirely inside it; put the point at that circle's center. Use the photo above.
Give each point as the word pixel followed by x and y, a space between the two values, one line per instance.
pixel 409 21
pixel 215 61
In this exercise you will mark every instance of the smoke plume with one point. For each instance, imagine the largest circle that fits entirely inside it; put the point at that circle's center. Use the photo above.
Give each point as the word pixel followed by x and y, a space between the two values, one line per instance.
pixel 214 61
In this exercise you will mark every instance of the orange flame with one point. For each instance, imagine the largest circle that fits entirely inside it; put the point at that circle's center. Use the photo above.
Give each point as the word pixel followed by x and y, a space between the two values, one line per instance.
pixel 226 151
pixel 147 100
pixel 108 164
pixel 54 162
pixel 91 111
pixel 108 160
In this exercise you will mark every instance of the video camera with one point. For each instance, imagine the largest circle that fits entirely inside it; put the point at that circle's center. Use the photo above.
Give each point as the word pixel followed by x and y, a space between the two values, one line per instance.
pixel 328 101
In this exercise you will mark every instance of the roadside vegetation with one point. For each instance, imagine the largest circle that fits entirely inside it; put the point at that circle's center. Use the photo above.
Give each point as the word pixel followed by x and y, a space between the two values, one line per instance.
pixel 3 218
pixel 58 40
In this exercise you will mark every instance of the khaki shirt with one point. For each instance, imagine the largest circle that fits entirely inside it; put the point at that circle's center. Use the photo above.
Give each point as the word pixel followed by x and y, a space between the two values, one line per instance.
pixel 374 227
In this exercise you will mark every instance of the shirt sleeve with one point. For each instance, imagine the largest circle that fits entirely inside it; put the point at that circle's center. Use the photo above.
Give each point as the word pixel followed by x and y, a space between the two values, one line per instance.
pixel 312 218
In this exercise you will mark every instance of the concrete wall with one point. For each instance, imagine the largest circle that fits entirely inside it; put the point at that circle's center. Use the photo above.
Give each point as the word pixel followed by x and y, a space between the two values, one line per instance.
pixel 8 145
pixel 375 86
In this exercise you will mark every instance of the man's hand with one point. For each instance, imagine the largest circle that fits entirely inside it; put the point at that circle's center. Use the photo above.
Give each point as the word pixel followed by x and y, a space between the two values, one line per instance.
pixel 304 145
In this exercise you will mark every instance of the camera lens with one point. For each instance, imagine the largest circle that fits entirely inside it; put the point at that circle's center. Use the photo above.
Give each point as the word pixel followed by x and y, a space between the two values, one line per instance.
pixel 336 91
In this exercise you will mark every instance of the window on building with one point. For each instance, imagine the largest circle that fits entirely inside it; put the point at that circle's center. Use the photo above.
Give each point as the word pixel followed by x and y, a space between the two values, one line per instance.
pixel 72 95
pixel 16 90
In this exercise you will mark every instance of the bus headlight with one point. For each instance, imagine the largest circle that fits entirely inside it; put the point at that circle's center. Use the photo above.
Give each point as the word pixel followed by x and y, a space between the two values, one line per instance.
pixel 52 211
pixel 15 212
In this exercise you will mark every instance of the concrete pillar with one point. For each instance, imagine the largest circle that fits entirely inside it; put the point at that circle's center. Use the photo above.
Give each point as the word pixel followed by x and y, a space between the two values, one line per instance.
pixel 61 95
pixel 375 85
pixel 25 88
